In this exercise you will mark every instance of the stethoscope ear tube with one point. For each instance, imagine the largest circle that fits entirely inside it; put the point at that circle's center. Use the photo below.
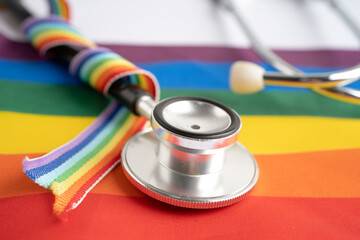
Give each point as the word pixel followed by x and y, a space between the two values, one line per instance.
pixel 247 78
pixel 129 95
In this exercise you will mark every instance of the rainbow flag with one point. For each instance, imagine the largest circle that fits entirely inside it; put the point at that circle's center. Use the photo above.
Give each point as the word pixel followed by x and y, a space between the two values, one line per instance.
pixel 306 145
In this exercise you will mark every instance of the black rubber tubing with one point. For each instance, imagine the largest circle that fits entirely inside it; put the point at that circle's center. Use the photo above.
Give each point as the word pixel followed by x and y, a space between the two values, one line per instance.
pixel 127 94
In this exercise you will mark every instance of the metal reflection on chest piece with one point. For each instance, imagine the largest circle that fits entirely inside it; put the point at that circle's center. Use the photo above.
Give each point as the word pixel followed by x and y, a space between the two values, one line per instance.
pixel 192 157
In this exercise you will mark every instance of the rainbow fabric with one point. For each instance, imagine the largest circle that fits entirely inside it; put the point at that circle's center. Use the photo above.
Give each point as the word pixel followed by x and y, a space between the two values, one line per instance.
pixel 306 145
pixel 95 66
pixel 73 169
pixel 99 67
pixel 59 8
pixel 48 32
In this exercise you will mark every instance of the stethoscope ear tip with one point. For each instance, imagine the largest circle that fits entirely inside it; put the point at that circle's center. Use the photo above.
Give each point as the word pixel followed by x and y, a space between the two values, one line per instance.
pixel 246 77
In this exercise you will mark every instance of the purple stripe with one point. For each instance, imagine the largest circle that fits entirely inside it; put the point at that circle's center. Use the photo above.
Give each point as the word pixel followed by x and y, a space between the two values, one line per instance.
pixel 138 54
pixel 17 50
pixel 37 162
pixel 321 58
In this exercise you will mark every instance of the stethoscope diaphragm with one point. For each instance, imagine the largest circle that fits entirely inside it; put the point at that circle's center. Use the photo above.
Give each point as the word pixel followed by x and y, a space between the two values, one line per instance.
pixel 191 158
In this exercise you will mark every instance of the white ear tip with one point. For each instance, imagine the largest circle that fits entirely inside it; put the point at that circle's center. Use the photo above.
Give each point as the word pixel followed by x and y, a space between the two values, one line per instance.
pixel 246 77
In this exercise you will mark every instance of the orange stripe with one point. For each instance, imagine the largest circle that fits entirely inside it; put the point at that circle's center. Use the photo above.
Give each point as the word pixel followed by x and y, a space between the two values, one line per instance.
pixel 13 182
pixel 317 174
pixel 64 9
pixel 326 174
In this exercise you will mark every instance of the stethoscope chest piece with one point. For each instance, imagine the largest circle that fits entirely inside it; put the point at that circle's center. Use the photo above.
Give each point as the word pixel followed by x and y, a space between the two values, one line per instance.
pixel 191 158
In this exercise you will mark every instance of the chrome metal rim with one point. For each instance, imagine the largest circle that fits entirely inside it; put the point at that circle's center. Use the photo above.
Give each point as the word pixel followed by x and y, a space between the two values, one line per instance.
pixel 143 168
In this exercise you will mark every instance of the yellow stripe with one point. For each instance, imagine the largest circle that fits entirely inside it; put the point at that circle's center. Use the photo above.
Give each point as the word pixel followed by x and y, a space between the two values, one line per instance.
pixel 280 134
pixel 28 133
pixel 142 80
pixel 302 84
pixel 59 188
pixel 338 97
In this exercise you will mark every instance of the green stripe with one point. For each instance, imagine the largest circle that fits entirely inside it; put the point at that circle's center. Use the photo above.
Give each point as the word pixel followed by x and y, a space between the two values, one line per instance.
pixel 84 101
pixel 50 99
pixel 276 103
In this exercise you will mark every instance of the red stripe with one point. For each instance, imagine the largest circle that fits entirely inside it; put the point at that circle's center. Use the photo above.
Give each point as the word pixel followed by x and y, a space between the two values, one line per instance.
pixel 150 85
pixel 113 217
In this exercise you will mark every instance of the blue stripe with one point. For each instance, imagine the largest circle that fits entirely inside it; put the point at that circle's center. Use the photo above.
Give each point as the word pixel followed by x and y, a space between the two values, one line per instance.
pixel 172 74
pixel 38 72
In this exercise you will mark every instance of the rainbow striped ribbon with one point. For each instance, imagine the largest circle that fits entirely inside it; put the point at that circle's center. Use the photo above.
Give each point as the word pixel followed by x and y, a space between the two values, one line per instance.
pixel 73 169
pixel 100 67
pixel 46 33
pixel 59 8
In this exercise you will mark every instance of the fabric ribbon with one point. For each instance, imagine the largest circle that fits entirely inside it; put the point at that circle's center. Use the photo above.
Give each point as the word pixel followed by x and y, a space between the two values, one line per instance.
pixel 74 168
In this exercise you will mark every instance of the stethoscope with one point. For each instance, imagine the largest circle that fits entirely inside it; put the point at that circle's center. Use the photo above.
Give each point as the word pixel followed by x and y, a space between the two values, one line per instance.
pixel 193 158
pixel 190 157
pixel 248 77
